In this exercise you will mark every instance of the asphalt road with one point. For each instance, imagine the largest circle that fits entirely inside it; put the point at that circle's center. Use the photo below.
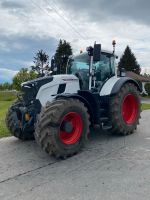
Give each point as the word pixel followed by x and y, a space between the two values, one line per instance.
pixel 108 168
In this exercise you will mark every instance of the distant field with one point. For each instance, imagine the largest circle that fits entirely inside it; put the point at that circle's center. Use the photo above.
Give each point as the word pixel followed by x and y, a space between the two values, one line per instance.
pixel 145 106
pixel 8 95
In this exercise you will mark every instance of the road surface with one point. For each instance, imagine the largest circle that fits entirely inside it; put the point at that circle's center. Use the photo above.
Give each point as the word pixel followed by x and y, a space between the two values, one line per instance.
pixel 108 168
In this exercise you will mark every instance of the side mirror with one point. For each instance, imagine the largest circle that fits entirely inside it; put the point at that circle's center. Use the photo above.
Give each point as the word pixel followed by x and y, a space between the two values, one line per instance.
pixel 97 52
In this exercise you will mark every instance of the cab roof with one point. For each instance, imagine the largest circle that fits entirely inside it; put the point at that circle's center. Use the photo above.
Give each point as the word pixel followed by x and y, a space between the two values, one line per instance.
pixel 102 50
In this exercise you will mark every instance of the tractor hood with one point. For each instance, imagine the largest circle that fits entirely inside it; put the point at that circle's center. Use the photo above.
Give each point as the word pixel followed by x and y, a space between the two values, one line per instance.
pixel 37 82
pixel 46 88
pixel 31 88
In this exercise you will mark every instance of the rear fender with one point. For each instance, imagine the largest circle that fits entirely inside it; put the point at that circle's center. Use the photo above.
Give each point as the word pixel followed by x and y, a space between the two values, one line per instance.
pixel 114 84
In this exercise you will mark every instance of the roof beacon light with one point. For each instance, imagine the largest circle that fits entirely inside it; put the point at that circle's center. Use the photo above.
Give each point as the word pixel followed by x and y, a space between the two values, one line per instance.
pixel 114 45
pixel 81 51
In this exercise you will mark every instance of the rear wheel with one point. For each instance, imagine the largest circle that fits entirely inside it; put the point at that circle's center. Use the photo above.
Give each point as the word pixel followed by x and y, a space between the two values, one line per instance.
pixel 62 127
pixel 125 110
pixel 10 123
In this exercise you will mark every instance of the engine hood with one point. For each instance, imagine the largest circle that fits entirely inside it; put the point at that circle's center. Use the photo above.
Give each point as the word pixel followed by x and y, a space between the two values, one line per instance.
pixel 38 82
pixel 31 88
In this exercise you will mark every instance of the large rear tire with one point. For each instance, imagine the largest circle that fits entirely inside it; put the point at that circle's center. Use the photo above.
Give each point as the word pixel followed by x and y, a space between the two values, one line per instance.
pixel 62 127
pixel 10 124
pixel 125 109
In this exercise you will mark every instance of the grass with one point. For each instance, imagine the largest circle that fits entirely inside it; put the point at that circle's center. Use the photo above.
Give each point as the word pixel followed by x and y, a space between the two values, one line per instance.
pixel 8 95
pixel 4 105
pixel 6 99
pixel 145 106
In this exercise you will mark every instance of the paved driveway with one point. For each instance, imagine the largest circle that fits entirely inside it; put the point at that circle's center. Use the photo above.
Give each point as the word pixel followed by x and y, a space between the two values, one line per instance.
pixel 108 168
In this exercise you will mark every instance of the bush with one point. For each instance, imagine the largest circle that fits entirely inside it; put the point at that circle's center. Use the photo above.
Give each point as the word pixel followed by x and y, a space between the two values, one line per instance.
pixel 147 88
pixel 22 76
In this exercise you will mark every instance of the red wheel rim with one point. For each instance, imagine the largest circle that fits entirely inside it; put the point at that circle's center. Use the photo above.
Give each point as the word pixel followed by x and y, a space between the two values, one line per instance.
pixel 129 109
pixel 73 136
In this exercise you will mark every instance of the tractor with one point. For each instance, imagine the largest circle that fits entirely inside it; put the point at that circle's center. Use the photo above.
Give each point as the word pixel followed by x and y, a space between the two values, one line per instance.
pixel 58 111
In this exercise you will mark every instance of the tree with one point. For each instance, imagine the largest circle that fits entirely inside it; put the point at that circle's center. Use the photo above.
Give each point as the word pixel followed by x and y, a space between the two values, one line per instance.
pixel 146 75
pixel 61 56
pixel 22 76
pixel 41 61
pixel 6 86
pixel 128 61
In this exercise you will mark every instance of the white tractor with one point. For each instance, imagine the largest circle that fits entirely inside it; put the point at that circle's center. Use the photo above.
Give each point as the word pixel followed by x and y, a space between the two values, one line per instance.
pixel 59 110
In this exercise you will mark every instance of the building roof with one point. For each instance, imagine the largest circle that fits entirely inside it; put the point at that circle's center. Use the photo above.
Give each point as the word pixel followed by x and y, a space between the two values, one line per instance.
pixel 137 77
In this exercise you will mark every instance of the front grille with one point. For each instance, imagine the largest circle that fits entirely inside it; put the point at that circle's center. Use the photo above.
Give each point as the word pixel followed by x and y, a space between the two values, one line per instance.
pixel 31 88
pixel 29 94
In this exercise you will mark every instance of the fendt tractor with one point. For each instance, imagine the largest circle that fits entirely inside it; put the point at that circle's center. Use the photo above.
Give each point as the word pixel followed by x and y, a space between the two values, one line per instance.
pixel 59 110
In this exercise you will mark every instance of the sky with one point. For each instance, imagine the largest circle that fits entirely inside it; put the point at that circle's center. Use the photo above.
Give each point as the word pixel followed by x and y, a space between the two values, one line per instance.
pixel 29 25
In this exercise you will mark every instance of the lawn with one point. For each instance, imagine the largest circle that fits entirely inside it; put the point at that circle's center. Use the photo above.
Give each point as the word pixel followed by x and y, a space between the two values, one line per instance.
pixel 8 95
pixel 4 105
pixel 145 106
pixel 6 99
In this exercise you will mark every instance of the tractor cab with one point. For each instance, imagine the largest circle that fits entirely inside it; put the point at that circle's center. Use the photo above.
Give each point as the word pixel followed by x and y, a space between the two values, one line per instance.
pixel 103 69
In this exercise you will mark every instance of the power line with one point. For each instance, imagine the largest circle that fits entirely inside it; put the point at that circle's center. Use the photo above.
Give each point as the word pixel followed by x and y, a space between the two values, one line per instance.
pixel 63 11
pixel 46 12
pixel 68 23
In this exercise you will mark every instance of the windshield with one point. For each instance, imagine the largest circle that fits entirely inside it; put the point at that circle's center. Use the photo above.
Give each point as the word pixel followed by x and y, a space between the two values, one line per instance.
pixel 80 62
pixel 104 69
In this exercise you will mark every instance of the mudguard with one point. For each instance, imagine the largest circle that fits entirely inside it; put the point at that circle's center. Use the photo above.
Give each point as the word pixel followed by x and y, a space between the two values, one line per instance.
pixel 114 84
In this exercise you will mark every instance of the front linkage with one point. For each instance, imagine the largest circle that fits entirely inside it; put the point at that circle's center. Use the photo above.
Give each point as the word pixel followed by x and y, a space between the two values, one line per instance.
pixel 20 119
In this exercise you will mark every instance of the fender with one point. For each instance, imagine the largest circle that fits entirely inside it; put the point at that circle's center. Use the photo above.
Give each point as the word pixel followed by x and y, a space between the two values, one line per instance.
pixel 90 101
pixel 114 84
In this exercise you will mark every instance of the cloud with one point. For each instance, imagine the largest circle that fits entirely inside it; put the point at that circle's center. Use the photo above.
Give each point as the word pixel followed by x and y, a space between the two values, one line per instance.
pixel 11 4
pixel 18 51
pixel 27 26
pixel 102 10
pixel 145 70
pixel 6 75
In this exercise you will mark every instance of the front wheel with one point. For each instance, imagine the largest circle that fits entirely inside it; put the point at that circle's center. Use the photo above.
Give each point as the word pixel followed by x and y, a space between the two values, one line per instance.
pixel 62 127
pixel 125 109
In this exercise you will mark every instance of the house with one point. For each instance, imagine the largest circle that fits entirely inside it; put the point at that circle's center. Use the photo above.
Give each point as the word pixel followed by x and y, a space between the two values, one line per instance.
pixel 138 78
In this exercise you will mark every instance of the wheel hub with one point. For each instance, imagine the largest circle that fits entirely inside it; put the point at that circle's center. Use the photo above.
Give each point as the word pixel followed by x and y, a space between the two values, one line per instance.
pixel 67 127
pixel 129 109
pixel 71 128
